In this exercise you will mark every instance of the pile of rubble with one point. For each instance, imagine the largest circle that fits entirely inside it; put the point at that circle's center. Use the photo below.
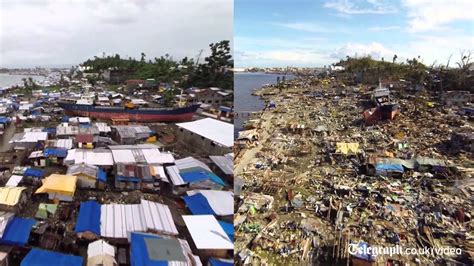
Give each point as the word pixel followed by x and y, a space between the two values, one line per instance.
pixel 319 177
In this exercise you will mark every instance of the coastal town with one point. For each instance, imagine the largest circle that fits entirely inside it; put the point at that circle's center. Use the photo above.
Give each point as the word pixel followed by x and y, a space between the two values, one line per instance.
pixel 369 154
pixel 100 167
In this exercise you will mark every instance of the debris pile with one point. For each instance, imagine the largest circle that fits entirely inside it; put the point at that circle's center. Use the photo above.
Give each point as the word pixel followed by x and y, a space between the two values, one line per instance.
pixel 321 176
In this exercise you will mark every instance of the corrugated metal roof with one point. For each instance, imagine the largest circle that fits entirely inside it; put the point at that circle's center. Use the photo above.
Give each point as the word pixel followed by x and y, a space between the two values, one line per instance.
pixel 10 195
pixel 224 163
pixel 14 180
pixel 190 162
pixel 102 127
pixel 64 143
pixel 221 202
pixel 117 220
pixel 36 154
pixel 134 170
pixel 123 156
pixel 212 129
pixel 175 177
pixel 92 157
pixel 207 233
pixel 141 155
pixel 70 130
pixel 31 137
pixel 153 156
pixel 87 169
pixel 5 218
pixel 159 171
pixel 100 247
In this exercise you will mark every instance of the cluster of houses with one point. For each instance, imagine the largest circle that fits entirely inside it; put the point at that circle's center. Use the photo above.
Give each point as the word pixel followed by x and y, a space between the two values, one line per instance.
pixel 68 200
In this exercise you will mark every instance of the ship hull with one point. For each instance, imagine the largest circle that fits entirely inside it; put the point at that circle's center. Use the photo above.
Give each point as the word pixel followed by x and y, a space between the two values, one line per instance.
pixel 137 115
pixel 386 112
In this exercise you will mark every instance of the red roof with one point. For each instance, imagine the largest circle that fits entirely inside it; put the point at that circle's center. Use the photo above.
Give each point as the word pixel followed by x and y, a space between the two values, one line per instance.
pixel 84 138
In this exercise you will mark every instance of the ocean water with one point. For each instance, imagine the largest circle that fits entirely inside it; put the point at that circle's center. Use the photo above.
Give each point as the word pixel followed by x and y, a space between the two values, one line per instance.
pixel 7 80
pixel 244 101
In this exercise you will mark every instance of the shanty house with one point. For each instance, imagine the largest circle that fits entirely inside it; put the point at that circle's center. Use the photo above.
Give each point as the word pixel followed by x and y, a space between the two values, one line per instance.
pixel 190 173
pixel 85 141
pixel 129 135
pixel 118 220
pixel 12 199
pixel 88 176
pixel 17 231
pixel 146 249
pixel 224 166
pixel 88 220
pixel 28 140
pixel 134 176
pixel 38 257
pixel 60 187
pixel 208 236
pixel 218 203
pixel 207 135
pixel 100 253
pixel 97 157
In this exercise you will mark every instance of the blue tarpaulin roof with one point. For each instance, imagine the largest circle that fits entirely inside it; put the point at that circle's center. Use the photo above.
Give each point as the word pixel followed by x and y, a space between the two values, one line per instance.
pixel 220 262
pixel 40 257
pixel 228 229
pixel 389 167
pixel 196 176
pixel 61 153
pixel 4 120
pixel 34 172
pixel 139 252
pixel 128 179
pixel 18 231
pixel 198 204
pixel 101 175
pixel 88 218
pixel 65 118
pixel 50 130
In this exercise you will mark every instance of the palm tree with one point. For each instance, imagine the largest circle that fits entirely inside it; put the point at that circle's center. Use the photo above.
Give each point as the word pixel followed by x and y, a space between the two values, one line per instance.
pixel 394 58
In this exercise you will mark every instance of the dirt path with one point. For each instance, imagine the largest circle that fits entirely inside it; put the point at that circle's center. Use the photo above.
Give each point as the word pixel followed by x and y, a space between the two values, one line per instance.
pixel 6 137
pixel 249 155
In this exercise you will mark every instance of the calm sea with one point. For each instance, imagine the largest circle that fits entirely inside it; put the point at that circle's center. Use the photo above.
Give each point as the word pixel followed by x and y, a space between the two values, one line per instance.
pixel 244 101
pixel 7 80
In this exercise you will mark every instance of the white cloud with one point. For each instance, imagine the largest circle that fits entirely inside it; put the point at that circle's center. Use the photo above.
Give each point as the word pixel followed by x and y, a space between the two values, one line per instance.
pixel 438 48
pixel 246 43
pixel 64 32
pixel 280 58
pixel 308 51
pixel 350 7
pixel 374 49
pixel 386 28
pixel 304 26
pixel 425 15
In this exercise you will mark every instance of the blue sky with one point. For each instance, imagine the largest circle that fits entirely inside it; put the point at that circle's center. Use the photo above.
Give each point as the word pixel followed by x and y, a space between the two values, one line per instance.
pixel 317 33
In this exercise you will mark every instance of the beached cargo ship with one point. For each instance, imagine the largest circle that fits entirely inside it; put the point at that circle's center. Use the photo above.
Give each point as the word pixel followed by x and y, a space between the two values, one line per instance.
pixel 178 114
